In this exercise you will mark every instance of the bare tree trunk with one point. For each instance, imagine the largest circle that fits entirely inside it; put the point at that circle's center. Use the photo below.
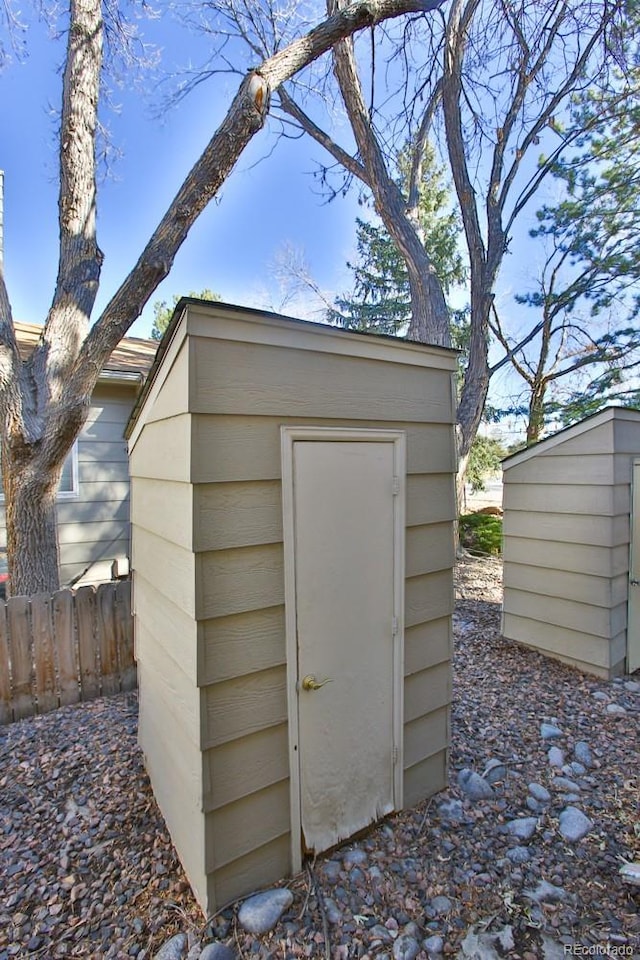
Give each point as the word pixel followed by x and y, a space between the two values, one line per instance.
pixel 31 520
pixel 535 422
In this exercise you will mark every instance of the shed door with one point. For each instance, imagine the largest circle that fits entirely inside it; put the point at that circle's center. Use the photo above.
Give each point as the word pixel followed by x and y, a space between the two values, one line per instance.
pixel 345 551
pixel 633 620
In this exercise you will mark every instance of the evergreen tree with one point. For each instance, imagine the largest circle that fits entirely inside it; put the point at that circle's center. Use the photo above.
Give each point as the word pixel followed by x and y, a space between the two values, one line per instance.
pixel 162 311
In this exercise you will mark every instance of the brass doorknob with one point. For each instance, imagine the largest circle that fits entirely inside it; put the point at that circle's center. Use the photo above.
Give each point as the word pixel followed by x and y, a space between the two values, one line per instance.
pixel 310 683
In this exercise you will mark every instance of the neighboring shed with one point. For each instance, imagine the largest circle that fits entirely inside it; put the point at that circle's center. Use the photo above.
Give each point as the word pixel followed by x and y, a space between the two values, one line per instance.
pixel 292 585
pixel 93 500
pixel 570 580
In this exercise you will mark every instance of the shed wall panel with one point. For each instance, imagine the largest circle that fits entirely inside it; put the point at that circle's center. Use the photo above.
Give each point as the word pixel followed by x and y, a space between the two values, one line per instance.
pixel 429 548
pixel 562 498
pixel 169 625
pixel 238 514
pixel 248 447
pixel 623 467
pixel 165 507
pixel 173 764
pixel 599 439
pixel 426 691
pixel 235 581
pixel 566 528
pixel 242 643
pixel 163 450
pixel 285 333
pixel 234 770
pixel 596 469
pixel 582 617
pixel 627 434
pixel 430 499
pixel 257 869
pixel 427 644
pixel 543 582
pixel 173 398
pixel 171 566
pixel 244 705
pixel 247 379
pixel 593 560
pixel 428 597
pixel 425 736
pixel 172 685
pixel 425 778
pixel 583 650
pixel 252 822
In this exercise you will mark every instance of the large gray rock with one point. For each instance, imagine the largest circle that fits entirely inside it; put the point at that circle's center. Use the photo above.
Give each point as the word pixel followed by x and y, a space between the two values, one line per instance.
pixel 523 828
pixel 556 757
pixel 405 948
pixel 539 793
pixel 260 913
pixel 475 786
pixel 549 731
pixel 574 825
pixel 568 786
pixel 433 945
pixel 582 753
pixel 615 710
pixel 495 771
pixel 173 949
pixel 217 951
pixel 440 906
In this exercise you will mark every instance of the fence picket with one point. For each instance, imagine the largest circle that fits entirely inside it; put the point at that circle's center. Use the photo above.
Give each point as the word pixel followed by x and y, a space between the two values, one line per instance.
pixel 124 635
pixel 42 632
pixel 106 636
pixel 71 646
pixel 65 643
pixel 87 642
pixel 24 704
pixel 6 712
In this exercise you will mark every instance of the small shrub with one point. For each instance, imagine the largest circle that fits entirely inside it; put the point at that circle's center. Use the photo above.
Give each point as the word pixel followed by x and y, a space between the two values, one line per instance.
pixel 481 534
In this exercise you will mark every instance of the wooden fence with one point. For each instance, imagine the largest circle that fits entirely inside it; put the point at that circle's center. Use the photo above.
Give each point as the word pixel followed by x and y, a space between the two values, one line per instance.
pixel 55 650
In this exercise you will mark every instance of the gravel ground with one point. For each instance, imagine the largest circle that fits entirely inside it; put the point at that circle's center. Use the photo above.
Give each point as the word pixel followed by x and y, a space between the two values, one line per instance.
pixel 87 868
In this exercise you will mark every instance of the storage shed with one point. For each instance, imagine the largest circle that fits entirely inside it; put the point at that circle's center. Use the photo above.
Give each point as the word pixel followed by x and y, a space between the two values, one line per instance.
pixel 572 544
pixel 292 524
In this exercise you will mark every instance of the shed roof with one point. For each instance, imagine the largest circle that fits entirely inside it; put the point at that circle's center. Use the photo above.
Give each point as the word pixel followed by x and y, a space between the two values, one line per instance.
pixel 568 433
pixel 132 357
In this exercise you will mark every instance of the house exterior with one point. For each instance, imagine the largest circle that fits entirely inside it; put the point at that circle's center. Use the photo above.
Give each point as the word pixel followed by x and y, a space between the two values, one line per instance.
pixel 93 501
pixel 293 505
pixel 572 544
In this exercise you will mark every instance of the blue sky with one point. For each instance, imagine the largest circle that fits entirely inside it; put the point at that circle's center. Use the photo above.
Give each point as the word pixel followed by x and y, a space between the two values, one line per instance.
pixel 270 199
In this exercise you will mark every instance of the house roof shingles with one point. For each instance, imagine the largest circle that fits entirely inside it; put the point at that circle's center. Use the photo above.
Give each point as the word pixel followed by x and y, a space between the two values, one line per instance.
pixel 132 355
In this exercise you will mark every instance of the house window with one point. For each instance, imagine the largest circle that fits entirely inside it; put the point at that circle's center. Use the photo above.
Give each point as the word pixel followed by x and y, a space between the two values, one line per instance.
pixel 68 487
